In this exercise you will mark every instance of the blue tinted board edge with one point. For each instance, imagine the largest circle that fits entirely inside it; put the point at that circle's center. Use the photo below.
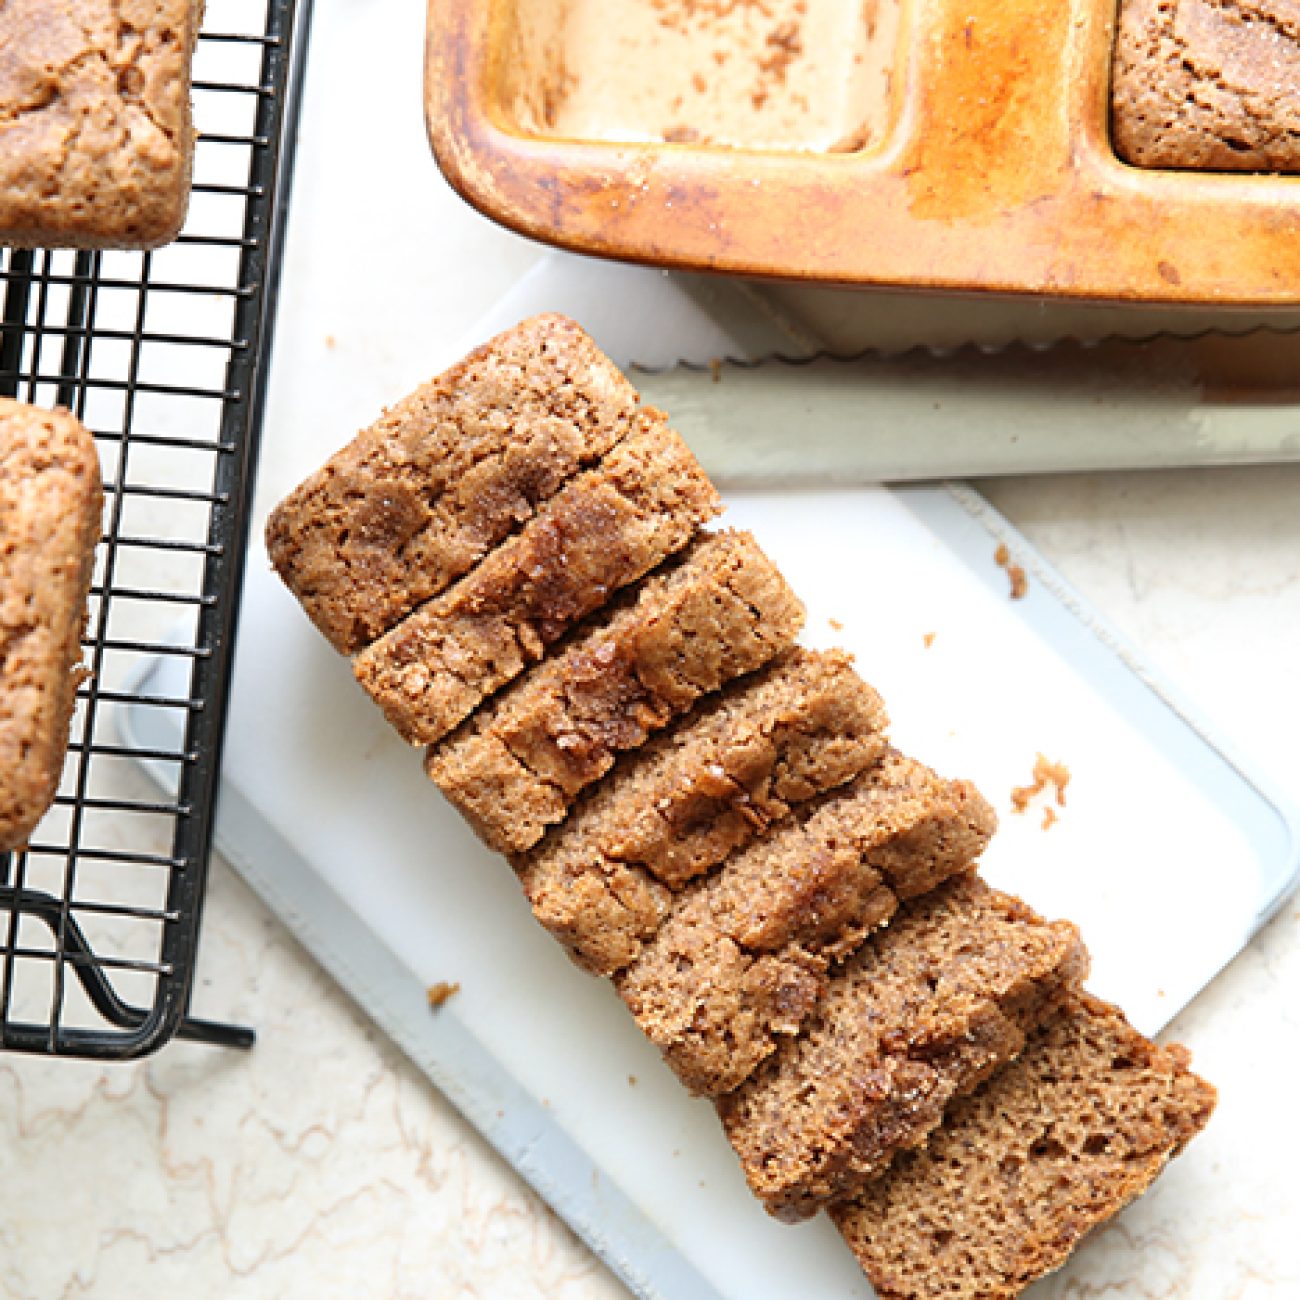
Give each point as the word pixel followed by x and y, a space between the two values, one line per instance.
pixel 971 526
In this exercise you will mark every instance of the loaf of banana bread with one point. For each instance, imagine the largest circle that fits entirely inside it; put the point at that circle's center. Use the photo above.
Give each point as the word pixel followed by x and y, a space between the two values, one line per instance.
pixel 1208 85
pixel 515 767
pixel 51 501
pixel 96 139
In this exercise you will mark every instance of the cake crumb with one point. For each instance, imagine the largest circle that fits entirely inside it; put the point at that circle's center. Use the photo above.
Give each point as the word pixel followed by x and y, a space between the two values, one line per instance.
pixel 439 993
pixel 631 1080
pixel 331 342
pixel 836 625
pixel 1049 817
pixel 1015 572
pixel 715 369
pixel 1046 773
pixel 928 638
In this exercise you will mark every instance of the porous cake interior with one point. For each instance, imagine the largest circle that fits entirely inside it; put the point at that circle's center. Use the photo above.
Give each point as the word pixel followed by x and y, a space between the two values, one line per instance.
pixel 809 75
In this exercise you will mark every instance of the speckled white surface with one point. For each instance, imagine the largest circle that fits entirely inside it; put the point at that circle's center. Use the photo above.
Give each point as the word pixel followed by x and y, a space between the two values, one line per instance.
pixel 322 1164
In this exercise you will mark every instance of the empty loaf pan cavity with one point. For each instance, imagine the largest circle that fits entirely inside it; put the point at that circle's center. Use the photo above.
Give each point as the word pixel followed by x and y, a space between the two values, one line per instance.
pixel 783 75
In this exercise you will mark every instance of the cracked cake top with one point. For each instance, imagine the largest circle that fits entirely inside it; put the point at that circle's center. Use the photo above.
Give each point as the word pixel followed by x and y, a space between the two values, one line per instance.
pixel 95 133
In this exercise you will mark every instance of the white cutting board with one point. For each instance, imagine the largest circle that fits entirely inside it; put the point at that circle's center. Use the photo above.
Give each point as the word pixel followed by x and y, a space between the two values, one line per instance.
pixel 1164 852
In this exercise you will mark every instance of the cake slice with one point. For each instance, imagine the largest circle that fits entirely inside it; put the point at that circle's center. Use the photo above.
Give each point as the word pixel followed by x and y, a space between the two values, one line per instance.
pixel 741 958
pixel 712 784
pixel 924 1011
pixel 51 502
pixel 1049 1148
pixel 516 766
pixel 418 498
pixel 741 763
pixel 604 530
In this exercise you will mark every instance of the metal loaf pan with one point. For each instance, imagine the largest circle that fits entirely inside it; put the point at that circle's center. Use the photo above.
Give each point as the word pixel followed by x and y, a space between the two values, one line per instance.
pixel 986 163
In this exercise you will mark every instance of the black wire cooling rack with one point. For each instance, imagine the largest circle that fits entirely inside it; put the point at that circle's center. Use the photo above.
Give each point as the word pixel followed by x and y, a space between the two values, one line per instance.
pixel 163 355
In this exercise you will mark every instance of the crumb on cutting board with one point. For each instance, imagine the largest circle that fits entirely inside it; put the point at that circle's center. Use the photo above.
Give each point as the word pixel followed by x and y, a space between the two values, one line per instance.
pixel 1046 773
pixel 1015 573
pixel 439 993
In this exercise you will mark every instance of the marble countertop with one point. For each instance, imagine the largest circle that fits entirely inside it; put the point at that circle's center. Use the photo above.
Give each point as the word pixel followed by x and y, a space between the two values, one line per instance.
pixel 322 1163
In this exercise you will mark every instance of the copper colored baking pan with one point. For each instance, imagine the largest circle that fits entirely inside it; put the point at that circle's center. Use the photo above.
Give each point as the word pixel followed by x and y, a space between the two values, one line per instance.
pixel 991 167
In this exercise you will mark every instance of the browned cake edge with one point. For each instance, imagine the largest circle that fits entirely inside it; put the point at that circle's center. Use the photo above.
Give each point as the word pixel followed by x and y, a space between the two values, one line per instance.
pixel 157 213
pixel 1051 1147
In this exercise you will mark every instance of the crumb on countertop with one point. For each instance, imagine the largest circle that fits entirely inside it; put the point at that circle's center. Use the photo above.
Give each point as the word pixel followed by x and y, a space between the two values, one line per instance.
pixel 439 993
pixel 715 369
pixel 1046 773
pixel 1049 817
pixel 1015 572
pixel 928 638
pixel 836 625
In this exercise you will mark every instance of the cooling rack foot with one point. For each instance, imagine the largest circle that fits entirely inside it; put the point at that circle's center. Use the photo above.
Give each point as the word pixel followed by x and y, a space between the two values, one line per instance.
pixel 215 1034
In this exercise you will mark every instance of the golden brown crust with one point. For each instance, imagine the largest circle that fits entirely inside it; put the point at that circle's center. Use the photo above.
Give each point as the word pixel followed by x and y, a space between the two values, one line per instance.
pixel 415 500
pixel 51 502
pixel 96 139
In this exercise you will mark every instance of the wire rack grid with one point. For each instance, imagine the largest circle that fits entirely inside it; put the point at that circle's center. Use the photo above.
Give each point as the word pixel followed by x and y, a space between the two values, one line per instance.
pixel 163 356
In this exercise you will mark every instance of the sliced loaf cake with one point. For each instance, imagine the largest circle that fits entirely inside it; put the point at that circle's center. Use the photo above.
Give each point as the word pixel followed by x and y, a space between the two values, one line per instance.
pixel 605 529
pixel 741 958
